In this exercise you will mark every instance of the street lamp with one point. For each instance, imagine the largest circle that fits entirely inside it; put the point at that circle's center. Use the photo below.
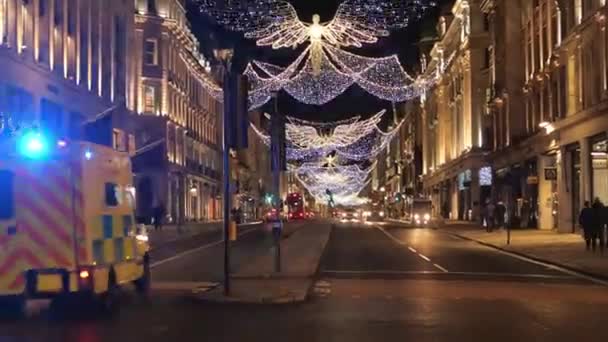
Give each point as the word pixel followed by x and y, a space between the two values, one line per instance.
pixel 224 57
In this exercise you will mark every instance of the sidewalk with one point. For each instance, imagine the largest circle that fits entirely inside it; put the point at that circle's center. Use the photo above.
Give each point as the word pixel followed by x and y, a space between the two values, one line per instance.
pixel 257 283
pixel 564 250
pixel 170 233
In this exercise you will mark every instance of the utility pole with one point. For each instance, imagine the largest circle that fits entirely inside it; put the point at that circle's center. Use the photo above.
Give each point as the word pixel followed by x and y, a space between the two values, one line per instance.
pixel 275 146
pixel 224 56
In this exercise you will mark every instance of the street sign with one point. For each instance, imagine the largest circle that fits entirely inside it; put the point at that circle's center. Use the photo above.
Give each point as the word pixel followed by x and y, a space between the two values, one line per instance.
pixel 531 180
pixel 550 173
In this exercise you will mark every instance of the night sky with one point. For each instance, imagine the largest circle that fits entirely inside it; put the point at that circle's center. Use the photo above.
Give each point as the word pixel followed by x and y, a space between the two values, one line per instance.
pixel 354 101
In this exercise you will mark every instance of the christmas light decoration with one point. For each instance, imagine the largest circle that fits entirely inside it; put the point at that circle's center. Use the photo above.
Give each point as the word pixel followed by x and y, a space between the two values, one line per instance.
pixel 318 79
pixel 344 182
pixel 356 140
pixel 275 22
pixel 324 71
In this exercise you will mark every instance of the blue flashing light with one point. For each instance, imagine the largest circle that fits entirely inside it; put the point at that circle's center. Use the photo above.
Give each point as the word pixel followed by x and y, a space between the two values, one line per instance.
pixel 32 145
pixel 88 154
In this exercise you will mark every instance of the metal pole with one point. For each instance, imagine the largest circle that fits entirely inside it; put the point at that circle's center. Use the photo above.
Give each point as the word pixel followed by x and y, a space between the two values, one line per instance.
pixel 276 179
pixel 226 177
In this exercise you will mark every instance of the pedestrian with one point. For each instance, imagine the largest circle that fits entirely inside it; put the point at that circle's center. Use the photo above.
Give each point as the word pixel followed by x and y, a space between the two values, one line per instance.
pixel 598 223
pixel 490 217
pixel 585 219
pixel 499 214
pixel 159 215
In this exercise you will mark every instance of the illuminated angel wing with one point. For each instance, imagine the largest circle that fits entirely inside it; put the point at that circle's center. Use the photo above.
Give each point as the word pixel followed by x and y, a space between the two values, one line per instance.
pixel 287 31
pixel 270 22
pixel 303 136
pixel 360 22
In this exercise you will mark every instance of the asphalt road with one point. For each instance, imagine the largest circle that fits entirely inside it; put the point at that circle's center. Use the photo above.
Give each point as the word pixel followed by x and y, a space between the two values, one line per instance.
pixel 375 284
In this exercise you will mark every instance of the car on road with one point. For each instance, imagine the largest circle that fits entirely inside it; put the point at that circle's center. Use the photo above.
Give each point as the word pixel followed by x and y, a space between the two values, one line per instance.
pixel 374 215
pixel 350 215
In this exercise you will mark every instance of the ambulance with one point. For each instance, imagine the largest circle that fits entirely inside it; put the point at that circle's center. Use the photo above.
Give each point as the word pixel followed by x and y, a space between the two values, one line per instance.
pixel 67 228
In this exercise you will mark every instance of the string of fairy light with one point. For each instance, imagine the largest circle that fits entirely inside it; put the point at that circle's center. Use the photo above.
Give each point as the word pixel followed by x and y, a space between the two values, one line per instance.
pixel 331 161
pixel 327 157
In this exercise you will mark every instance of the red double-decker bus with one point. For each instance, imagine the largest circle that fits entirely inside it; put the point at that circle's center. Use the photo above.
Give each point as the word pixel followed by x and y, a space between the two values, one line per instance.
pixel 295 206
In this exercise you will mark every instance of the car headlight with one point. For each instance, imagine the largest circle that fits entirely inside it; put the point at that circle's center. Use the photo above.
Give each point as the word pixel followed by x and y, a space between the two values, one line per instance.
pixel 417 217
pixel 382 214
pixel 427 217
pixel 343 214
pixel 355 214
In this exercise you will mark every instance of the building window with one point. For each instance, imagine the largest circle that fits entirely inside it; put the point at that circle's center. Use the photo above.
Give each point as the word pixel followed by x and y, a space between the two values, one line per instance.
pixel 50 116
pixel 119 140
pixel 7 209
pixel 20 105
pixel 152 7
pixel 149 99
pixel 42 8
pixel 599 169
pixel 487 58
pixel 75 125
pixel 151 52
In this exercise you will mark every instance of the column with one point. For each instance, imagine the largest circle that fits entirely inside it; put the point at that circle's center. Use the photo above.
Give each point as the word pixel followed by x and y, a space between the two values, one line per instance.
pixel 475 195
pixel 545 220
pixel 564 182
pixel 585 170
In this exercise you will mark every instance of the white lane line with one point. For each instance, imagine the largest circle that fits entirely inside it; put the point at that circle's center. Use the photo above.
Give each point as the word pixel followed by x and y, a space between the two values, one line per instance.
pixel 453 273
pixel 413 250
pixel 424 257
pixel 195 250
pixel 443 269
pixel 390 236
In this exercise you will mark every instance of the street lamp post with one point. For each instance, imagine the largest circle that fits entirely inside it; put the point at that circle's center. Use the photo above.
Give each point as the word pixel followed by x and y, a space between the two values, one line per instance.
pixel 276 179
pixel 224 56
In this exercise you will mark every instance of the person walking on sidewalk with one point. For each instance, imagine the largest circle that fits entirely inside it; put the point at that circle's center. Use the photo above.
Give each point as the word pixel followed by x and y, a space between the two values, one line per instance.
pixel 585 219
pixel 490 221
pixel 159 215
pixel 500 214
pixel 598 223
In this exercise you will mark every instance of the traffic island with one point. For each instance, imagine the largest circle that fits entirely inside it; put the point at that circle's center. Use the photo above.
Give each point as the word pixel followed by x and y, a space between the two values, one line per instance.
pixel 259 291
pixel 257 282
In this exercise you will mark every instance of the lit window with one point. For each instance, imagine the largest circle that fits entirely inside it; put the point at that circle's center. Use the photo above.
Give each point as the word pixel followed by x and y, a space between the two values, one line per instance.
pixel 151 52
pixel 149 99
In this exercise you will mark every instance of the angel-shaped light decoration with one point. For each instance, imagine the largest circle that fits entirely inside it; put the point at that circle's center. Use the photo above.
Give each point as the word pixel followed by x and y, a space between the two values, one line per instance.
pixel 353 140
pixel 324 70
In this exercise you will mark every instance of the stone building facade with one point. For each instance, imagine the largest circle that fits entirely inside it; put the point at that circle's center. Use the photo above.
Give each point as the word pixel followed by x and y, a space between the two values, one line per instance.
pixel 177 164
pixel 455 129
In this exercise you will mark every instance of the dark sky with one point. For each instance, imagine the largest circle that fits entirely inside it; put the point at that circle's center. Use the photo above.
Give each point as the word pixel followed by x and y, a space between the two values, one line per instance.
pixel 354 101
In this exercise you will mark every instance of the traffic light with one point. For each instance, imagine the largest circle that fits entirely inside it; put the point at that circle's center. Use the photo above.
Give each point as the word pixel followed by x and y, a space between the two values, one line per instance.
pixel 32 144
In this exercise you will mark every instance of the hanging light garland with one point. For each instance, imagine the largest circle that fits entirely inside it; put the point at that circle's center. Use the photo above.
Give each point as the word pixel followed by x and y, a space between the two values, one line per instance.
pixel 358 140
pixel 319 79
pixel 276 23
pixel 324 71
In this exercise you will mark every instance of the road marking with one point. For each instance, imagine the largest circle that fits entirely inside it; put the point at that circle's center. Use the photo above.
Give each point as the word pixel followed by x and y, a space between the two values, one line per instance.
pixel 195 250
pixel 412 249
pixel 196 286
pixel 390 236
pixel 536 262
pixel 424 257
pixel 441 268
pixel 452 273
